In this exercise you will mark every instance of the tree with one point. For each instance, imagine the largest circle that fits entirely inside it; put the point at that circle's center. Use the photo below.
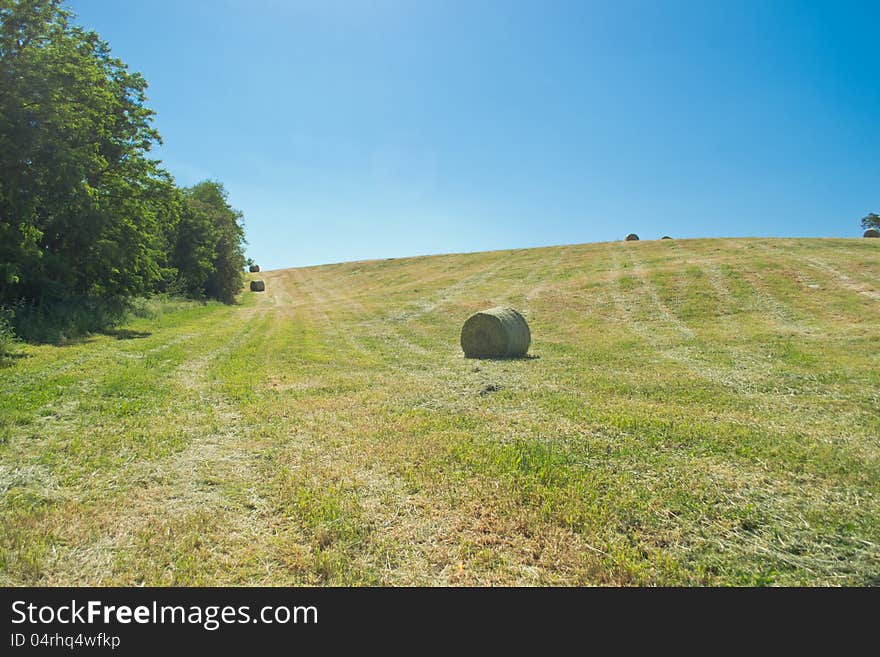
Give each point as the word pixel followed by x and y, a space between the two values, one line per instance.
pixel 872 220
pixel 78 206
pixel 85 213
pixel 208 246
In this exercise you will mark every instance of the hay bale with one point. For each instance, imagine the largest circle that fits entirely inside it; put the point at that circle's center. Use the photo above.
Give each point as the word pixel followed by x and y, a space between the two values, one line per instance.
pixel 258 286
pixel 871 232
pixel 632 237
pixel 666 237
pixel 495 333
pixel 254 269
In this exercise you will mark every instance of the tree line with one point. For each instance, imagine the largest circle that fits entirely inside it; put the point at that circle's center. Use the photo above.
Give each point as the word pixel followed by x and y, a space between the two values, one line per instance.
pixel 85 212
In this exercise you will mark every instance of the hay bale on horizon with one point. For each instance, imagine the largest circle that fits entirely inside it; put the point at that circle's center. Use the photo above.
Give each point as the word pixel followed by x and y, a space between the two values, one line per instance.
pixel 632 237
pixel 254 269
pixel 871 232
pixel 258 286
pixel 495 333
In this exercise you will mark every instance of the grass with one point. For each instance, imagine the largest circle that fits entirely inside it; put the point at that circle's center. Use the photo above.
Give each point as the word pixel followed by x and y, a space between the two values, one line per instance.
pixel 700 412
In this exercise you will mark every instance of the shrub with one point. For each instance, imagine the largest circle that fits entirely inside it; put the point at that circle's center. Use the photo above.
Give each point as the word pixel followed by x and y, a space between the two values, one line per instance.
pixel 7 335
pixel 58 322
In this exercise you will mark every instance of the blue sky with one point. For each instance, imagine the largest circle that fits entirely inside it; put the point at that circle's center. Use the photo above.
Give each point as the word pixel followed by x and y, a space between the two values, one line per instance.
pixel 350 130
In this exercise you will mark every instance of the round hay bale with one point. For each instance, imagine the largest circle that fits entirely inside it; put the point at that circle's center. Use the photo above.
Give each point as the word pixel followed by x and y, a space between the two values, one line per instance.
pixel 254 269
pixel 495 333
pixel 632 237
pixel 258 286
pixel 666 237
pixel 871 232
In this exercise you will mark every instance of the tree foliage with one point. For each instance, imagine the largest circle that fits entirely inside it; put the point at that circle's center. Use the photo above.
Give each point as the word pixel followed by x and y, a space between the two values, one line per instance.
pixel 207 252
pixel 872 220
pixel 84 210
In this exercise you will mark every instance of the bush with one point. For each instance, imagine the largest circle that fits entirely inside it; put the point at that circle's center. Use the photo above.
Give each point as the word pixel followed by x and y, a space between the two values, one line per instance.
pixel 7 335
pixel 58 322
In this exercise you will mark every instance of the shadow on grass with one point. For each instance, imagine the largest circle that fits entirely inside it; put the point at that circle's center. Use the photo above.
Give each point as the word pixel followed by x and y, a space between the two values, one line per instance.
pixel 17 355
pixel 505 359
pixel 126 334
pixel 9 359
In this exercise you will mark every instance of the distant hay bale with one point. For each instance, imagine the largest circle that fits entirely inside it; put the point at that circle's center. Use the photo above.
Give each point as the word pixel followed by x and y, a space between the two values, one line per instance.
pixel 632 237
pixel 871 232
pixel 495 333
pixel 254 269
pixel 258 286
pixel 666 237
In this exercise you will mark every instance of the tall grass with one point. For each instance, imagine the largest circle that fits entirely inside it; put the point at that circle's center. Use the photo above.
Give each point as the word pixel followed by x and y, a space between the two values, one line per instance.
pixel 58 322
pixel 7 335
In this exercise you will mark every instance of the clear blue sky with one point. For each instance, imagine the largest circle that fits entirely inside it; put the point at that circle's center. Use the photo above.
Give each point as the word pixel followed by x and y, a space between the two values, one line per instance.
pixel 349 130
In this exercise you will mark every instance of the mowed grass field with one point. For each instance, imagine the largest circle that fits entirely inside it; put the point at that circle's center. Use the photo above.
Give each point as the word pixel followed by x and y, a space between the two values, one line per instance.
pixel 696 412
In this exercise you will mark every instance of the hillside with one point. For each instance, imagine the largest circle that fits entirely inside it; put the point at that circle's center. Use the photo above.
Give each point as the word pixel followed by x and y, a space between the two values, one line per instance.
pixel 696 412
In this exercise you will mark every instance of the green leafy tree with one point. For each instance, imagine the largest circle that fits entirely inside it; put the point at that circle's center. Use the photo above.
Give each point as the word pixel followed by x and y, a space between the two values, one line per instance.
pixel 209 244
pixel 872 220
pixel 87 218
pixel 78 206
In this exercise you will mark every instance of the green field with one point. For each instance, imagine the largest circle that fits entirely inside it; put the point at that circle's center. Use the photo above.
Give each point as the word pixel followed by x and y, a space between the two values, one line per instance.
pixel 696 412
